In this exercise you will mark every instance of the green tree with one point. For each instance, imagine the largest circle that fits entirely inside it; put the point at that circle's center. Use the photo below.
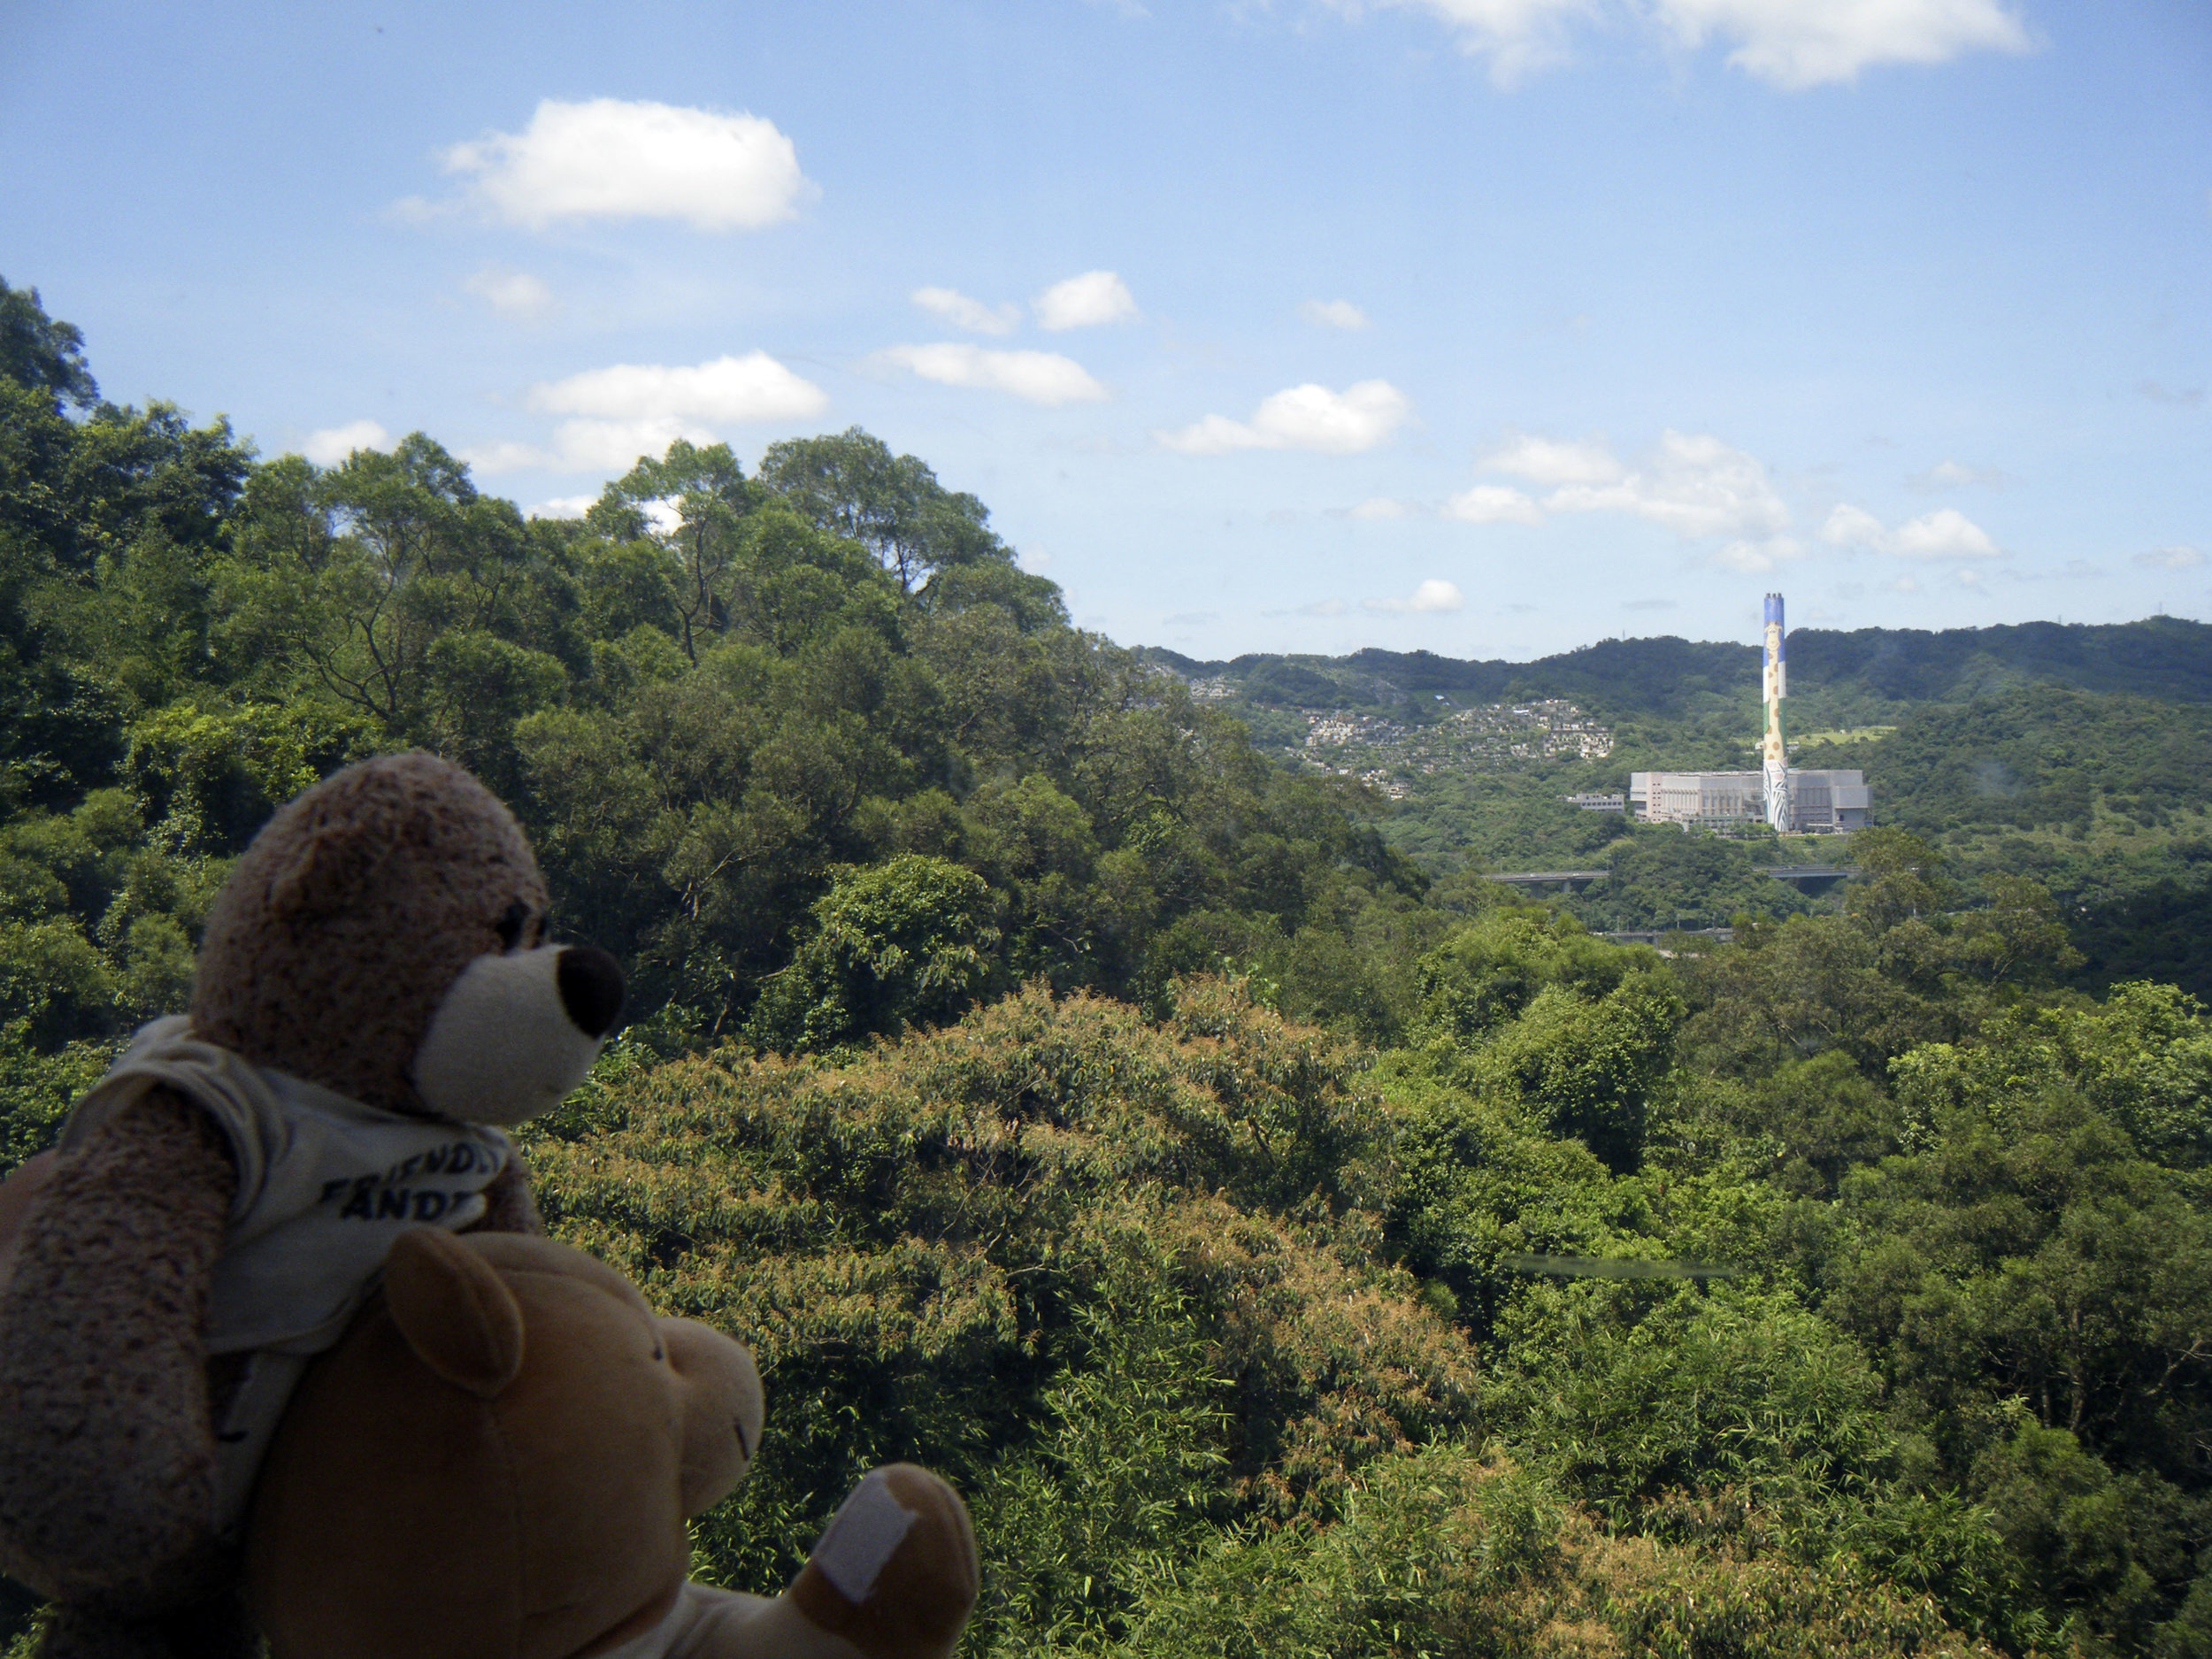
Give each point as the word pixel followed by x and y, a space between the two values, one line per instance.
pixel 893 505
pixel 1660 877
pixel 41 354
pixel 2018 937
pixel 1490 971
pixel 350 580
pixel 901 944
pixel 688 504
pixel 1586 1067
pixel 2039 1298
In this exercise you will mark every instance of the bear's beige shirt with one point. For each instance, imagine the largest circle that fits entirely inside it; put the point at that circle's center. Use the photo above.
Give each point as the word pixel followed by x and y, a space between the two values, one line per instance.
pixel 325 1184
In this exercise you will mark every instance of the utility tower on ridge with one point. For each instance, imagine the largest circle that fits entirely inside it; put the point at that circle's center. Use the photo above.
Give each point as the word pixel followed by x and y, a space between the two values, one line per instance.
pixel 1795 801
pixel 1774 752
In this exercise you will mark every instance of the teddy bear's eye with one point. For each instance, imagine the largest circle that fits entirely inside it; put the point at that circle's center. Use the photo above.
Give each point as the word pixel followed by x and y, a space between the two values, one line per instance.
pixel 658 1352
pixel 510 926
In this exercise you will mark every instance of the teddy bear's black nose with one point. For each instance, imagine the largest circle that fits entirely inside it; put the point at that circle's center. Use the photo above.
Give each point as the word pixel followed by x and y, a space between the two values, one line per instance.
pixel 591 988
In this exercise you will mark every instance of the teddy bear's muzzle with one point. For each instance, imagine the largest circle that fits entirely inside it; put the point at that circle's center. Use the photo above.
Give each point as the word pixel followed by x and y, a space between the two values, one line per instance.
pixel 517 1031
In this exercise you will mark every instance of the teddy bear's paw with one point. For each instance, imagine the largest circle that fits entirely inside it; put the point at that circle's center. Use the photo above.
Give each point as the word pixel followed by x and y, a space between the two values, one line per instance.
pixel 894 1574
pixel 215 1630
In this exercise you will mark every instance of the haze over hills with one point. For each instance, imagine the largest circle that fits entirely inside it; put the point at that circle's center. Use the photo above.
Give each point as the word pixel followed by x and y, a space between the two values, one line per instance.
pixel 1831 673
pixel 2077 755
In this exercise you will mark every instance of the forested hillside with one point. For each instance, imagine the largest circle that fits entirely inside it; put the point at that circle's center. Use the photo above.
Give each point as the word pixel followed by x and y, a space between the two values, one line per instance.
pixel 1843 678
pixel 1291 1246
pixel 2073 753
pixel 774 737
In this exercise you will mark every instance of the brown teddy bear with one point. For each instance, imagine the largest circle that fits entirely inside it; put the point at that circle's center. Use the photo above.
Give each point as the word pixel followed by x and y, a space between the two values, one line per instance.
pixel 498 1459
pixel 373 990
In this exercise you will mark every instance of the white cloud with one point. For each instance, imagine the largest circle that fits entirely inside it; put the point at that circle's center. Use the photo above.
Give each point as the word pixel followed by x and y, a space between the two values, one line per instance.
pixel 1493 504
pixel 1096 296
pixel 1039 377
pixel 1753 557
pixel 606 158
pixel 1549 461
pixel 617 445
pixel 1906 585
pixel 511 293
pixel 1853 527
pixel 1379 507
pixel 1693 484
pixel 563 507
pixel 1944 533
pixel 963 312
pixel 754 386
pixel 639 408
pixel 1323 608
pixel 1798 44
pixel 1951 475
pixel 1308 417
pixel 1433 594
pixel 1516 35
pixel 664 515
pixel 2178 557
pixel 332 444
pixel 1332 314
pixel 1789 43
pixel 506 456
pixel 587 446
pixel 1035 560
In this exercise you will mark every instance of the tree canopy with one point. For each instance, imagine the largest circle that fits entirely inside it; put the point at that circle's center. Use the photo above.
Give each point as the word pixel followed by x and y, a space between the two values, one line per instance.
pixel 1288 1248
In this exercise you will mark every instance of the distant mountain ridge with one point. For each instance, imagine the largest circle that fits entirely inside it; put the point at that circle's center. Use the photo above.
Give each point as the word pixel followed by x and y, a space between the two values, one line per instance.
pixel 1841 674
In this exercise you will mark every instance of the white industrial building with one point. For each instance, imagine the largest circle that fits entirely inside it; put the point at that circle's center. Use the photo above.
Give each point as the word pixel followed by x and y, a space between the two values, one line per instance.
pixel 1821 802
pixel 1830 802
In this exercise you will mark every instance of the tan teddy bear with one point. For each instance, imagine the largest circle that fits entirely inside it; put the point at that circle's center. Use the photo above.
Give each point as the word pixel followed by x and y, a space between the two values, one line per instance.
pixel 373 991
pixel 498 1458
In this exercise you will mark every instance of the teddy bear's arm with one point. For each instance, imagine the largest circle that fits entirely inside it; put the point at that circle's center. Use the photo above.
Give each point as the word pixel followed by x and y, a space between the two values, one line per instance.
pixel 508 1205
pixel 894 1576
pixel 107 1467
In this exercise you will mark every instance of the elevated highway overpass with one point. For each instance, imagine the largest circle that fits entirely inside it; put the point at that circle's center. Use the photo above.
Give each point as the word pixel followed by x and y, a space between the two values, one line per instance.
pixel 1575 881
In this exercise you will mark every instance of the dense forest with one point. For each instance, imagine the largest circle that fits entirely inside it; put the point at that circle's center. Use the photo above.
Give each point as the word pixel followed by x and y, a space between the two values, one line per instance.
pixel 1858 678
pixel 2075 755
pixel 1290 1244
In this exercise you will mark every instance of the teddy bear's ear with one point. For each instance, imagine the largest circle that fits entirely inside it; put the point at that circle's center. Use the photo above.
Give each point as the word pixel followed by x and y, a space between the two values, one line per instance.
pixel 453 1310
pixel 333 862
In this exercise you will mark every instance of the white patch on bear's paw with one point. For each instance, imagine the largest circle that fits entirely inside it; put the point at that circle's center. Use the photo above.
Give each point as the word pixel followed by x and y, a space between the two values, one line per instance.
pixel 864 1534
pixel 501 1047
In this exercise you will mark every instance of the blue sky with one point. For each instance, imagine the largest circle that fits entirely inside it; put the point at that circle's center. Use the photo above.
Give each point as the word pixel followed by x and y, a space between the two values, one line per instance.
pixel 1487 327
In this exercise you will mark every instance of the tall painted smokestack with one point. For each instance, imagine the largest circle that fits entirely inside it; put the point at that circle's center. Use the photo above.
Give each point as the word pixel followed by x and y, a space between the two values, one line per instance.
pixel 1774 755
